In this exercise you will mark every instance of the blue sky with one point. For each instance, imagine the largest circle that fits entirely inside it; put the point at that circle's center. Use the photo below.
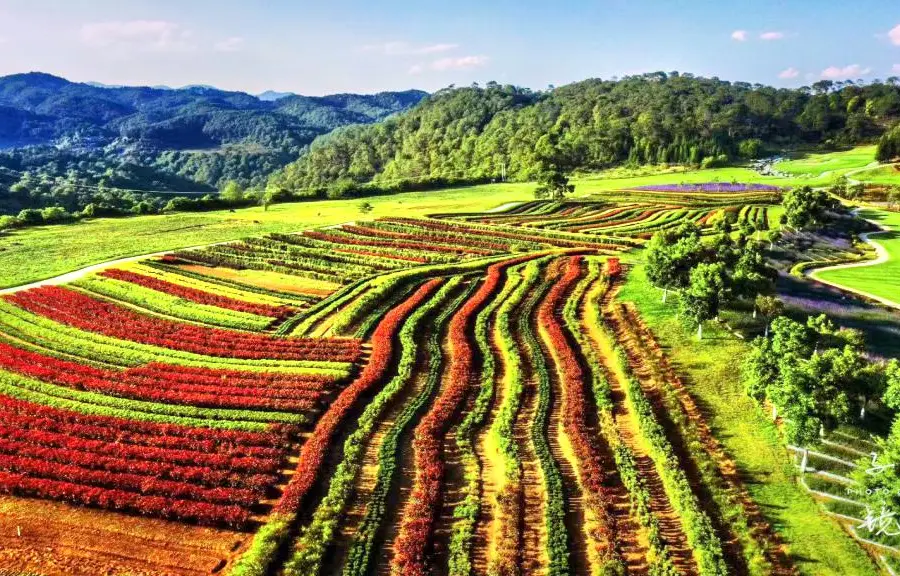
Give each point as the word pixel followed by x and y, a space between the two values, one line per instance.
pixel 332 46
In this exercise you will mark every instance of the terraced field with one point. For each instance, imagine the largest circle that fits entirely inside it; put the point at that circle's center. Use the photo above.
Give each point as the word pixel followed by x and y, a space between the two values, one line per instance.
pixel 402 396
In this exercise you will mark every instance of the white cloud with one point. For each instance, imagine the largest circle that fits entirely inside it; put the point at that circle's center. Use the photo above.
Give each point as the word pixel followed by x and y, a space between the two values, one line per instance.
pixel 896 69
pixel 152 35
pixel 233 44
pixel 416 69
pixel 894 35
pixel 461 63
pixel 852 71
pixel 789 73
pixel 771 36
pixel 407 49
pixel 739 35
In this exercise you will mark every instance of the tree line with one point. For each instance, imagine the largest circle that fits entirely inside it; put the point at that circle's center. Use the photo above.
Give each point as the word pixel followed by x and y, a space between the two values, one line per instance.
pixel 502 131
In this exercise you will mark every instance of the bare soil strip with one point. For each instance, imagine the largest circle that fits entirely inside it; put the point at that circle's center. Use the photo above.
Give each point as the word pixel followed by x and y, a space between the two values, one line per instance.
pixel 760 528
pixel 671 528
pixel 534 528
pixel 492 478
pixel 56 539
pixel 365 480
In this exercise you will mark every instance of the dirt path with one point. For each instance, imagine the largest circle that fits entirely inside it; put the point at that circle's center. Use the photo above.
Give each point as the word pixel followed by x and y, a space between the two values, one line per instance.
pixel 761 530
pixel 671 528
pixel 487 452
pixel 368 474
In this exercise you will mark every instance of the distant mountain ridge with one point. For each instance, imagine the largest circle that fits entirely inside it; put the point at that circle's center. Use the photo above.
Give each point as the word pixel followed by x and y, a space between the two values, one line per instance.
pixel 39 108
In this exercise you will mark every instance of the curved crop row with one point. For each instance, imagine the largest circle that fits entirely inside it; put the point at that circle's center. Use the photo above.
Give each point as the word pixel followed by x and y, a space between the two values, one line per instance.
pixel 132 384
pixel 258 558
pixel 698 528
pixel 317 536
pixel 466 512
pixel 198 296
pixel 575 408
pixel 593 287
pixel 86 313
pixel 418 519
pixel 362 552
pixel 509 498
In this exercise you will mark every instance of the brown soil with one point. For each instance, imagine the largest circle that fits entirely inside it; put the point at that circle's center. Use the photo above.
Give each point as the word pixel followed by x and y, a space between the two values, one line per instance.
pixel 368 474
pixel 762 531
pixel 671 528
pixel 487 529
pixel 61 540
pixel 534 546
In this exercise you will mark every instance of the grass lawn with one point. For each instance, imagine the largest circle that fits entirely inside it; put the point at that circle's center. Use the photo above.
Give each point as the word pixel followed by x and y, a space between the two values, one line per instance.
pixel 817 543
pixel 43 252
pixel 831 163
pixel 887 175
pixel 882 279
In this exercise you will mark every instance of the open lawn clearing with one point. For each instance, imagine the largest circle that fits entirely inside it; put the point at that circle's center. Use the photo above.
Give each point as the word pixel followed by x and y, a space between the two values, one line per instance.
pixel 880 280
pixel 830 163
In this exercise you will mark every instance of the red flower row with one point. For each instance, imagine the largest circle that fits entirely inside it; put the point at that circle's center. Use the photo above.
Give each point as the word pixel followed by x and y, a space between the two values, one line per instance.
pixel 156 389
pixel 200 512
pixel 316 446
pixel 418 517
pixel 33 464
pixel 575 406
pixel 48 432
pixel 198 296
pixel 232 443
pixel 613 267
pixel 110 457
pixel 493 234
pixel 82 311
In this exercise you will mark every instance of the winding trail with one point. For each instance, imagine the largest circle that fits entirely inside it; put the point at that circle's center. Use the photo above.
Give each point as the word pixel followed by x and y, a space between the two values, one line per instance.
pixel 882 256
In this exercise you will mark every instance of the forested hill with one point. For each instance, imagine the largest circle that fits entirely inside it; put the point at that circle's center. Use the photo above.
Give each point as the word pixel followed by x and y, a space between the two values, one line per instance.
pixel 38 108
pixel 480 132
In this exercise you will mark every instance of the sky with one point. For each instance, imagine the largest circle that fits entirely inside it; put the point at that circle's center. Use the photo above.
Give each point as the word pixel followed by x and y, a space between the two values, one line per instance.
pixel 365 46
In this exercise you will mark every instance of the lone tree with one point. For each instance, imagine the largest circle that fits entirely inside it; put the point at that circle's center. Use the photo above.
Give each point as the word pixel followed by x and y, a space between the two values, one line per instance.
pixel 671 255
pixel 807 209
pixel 365 207
pixel 704 295
pixel 769 307
pixel 553 185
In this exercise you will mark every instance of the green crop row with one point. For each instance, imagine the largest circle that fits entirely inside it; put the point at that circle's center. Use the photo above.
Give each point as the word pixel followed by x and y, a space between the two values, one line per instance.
pixel 37 392
pixel 314 539
pixel 362 551
pixel 172 306
pixel 215 285
pixel 626 465
pixel 698 528
pixel 45 333
pixel 555 512
pixel 381 286
pixel 466 513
